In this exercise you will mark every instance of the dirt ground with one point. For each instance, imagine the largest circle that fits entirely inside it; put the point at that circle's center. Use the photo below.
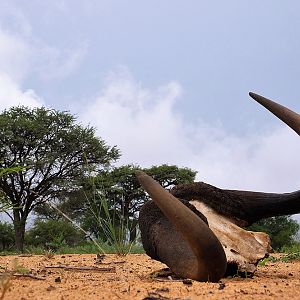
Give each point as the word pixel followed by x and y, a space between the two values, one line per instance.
pixel 86 276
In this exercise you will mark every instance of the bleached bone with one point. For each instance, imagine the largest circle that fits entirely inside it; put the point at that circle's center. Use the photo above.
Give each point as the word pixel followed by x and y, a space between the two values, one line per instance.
pixel 196 229
pixel 243 249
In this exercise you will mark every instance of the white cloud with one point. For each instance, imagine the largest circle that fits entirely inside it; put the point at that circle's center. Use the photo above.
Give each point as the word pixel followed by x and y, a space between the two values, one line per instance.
pixel 12 95
pixel 56 63
pixel 136 119
pixel 15 56
pixel 22 56
pixel 145 126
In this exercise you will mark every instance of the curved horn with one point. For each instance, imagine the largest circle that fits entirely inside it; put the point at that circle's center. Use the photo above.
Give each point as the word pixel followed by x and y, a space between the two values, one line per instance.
pixel 289 117
pixel 210 263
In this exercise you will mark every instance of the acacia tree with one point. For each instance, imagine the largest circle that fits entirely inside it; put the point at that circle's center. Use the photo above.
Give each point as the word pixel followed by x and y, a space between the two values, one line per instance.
pixel 54 152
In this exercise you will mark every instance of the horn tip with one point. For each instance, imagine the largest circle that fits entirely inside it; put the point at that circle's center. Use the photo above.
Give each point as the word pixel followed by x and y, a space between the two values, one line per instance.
pixel 253 95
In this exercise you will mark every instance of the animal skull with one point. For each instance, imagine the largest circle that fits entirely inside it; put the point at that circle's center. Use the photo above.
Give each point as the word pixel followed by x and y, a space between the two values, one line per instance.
pixel 197 228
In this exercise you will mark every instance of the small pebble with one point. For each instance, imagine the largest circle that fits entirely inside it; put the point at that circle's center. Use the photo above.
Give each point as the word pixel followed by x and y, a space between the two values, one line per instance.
pixel 187 281
pixel 221 285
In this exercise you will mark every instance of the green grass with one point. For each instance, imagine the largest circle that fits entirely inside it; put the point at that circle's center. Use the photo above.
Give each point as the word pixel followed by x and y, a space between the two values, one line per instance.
pixel 111 222
pixel 264 261
pixel 295 247
pixel 289 253
pixel 88 248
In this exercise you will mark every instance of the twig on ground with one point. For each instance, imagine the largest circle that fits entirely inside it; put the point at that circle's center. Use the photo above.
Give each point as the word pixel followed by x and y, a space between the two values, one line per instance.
pixel 70 268
pixel 111 263
pixel 28 275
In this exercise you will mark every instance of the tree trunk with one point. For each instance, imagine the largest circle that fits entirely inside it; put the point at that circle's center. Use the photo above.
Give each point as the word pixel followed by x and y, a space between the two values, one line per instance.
pixel 19 226
pixel 133 234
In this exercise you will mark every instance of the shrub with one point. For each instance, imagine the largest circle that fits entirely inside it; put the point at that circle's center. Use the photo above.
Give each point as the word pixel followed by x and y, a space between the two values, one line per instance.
pixel 7 236
pixel 53 234
pixel 282 230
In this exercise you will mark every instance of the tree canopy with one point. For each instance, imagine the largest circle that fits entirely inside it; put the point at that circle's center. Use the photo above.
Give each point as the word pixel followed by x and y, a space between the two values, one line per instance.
pixel 53 151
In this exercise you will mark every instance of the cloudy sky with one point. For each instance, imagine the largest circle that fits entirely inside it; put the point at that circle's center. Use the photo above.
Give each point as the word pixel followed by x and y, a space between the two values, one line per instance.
pixel 165 81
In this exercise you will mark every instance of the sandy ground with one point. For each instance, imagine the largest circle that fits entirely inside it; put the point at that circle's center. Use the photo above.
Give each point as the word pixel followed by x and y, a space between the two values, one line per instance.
pixel 117 277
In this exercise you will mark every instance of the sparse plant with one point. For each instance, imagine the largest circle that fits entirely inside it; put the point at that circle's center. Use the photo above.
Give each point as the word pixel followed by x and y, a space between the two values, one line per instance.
pixel 18 268
pixel 295 247
pixel 290 257
pixel 116 228
pixel 49 254
pixel 80 228
pixel 109 220
pixel 290 252
pixel 264 261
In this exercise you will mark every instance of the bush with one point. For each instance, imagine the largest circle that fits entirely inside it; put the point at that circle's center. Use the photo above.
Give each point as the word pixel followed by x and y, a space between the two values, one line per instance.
pixel 7 236
pixel 282 230
pixel 53 234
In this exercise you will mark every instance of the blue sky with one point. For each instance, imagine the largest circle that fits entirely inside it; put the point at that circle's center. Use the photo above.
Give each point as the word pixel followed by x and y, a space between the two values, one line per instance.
pixel 165 81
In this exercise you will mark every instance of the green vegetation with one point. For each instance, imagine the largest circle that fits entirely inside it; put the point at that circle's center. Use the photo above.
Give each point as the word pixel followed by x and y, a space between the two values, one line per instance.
pixel 7 236
pixel 291 252
pixel 295 247
pixel 86 248
pixel 53 235
pixel 53 150
pixel 108 203
pixel 63 173
pixel 4 202
pixel 118 194
pixel 282 230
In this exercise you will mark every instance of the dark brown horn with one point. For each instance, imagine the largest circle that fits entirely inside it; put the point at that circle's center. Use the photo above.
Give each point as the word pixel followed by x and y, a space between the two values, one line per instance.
pixel 210 260
pixel 289 117
pixel 244 207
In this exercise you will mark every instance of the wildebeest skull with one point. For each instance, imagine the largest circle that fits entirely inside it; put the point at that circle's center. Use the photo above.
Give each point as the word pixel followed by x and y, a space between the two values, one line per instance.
pixel 196 229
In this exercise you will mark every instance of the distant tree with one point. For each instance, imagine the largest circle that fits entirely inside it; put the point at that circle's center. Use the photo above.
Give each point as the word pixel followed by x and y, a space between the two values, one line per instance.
pixel 282 230
pixel 55 153
pixel 54 234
